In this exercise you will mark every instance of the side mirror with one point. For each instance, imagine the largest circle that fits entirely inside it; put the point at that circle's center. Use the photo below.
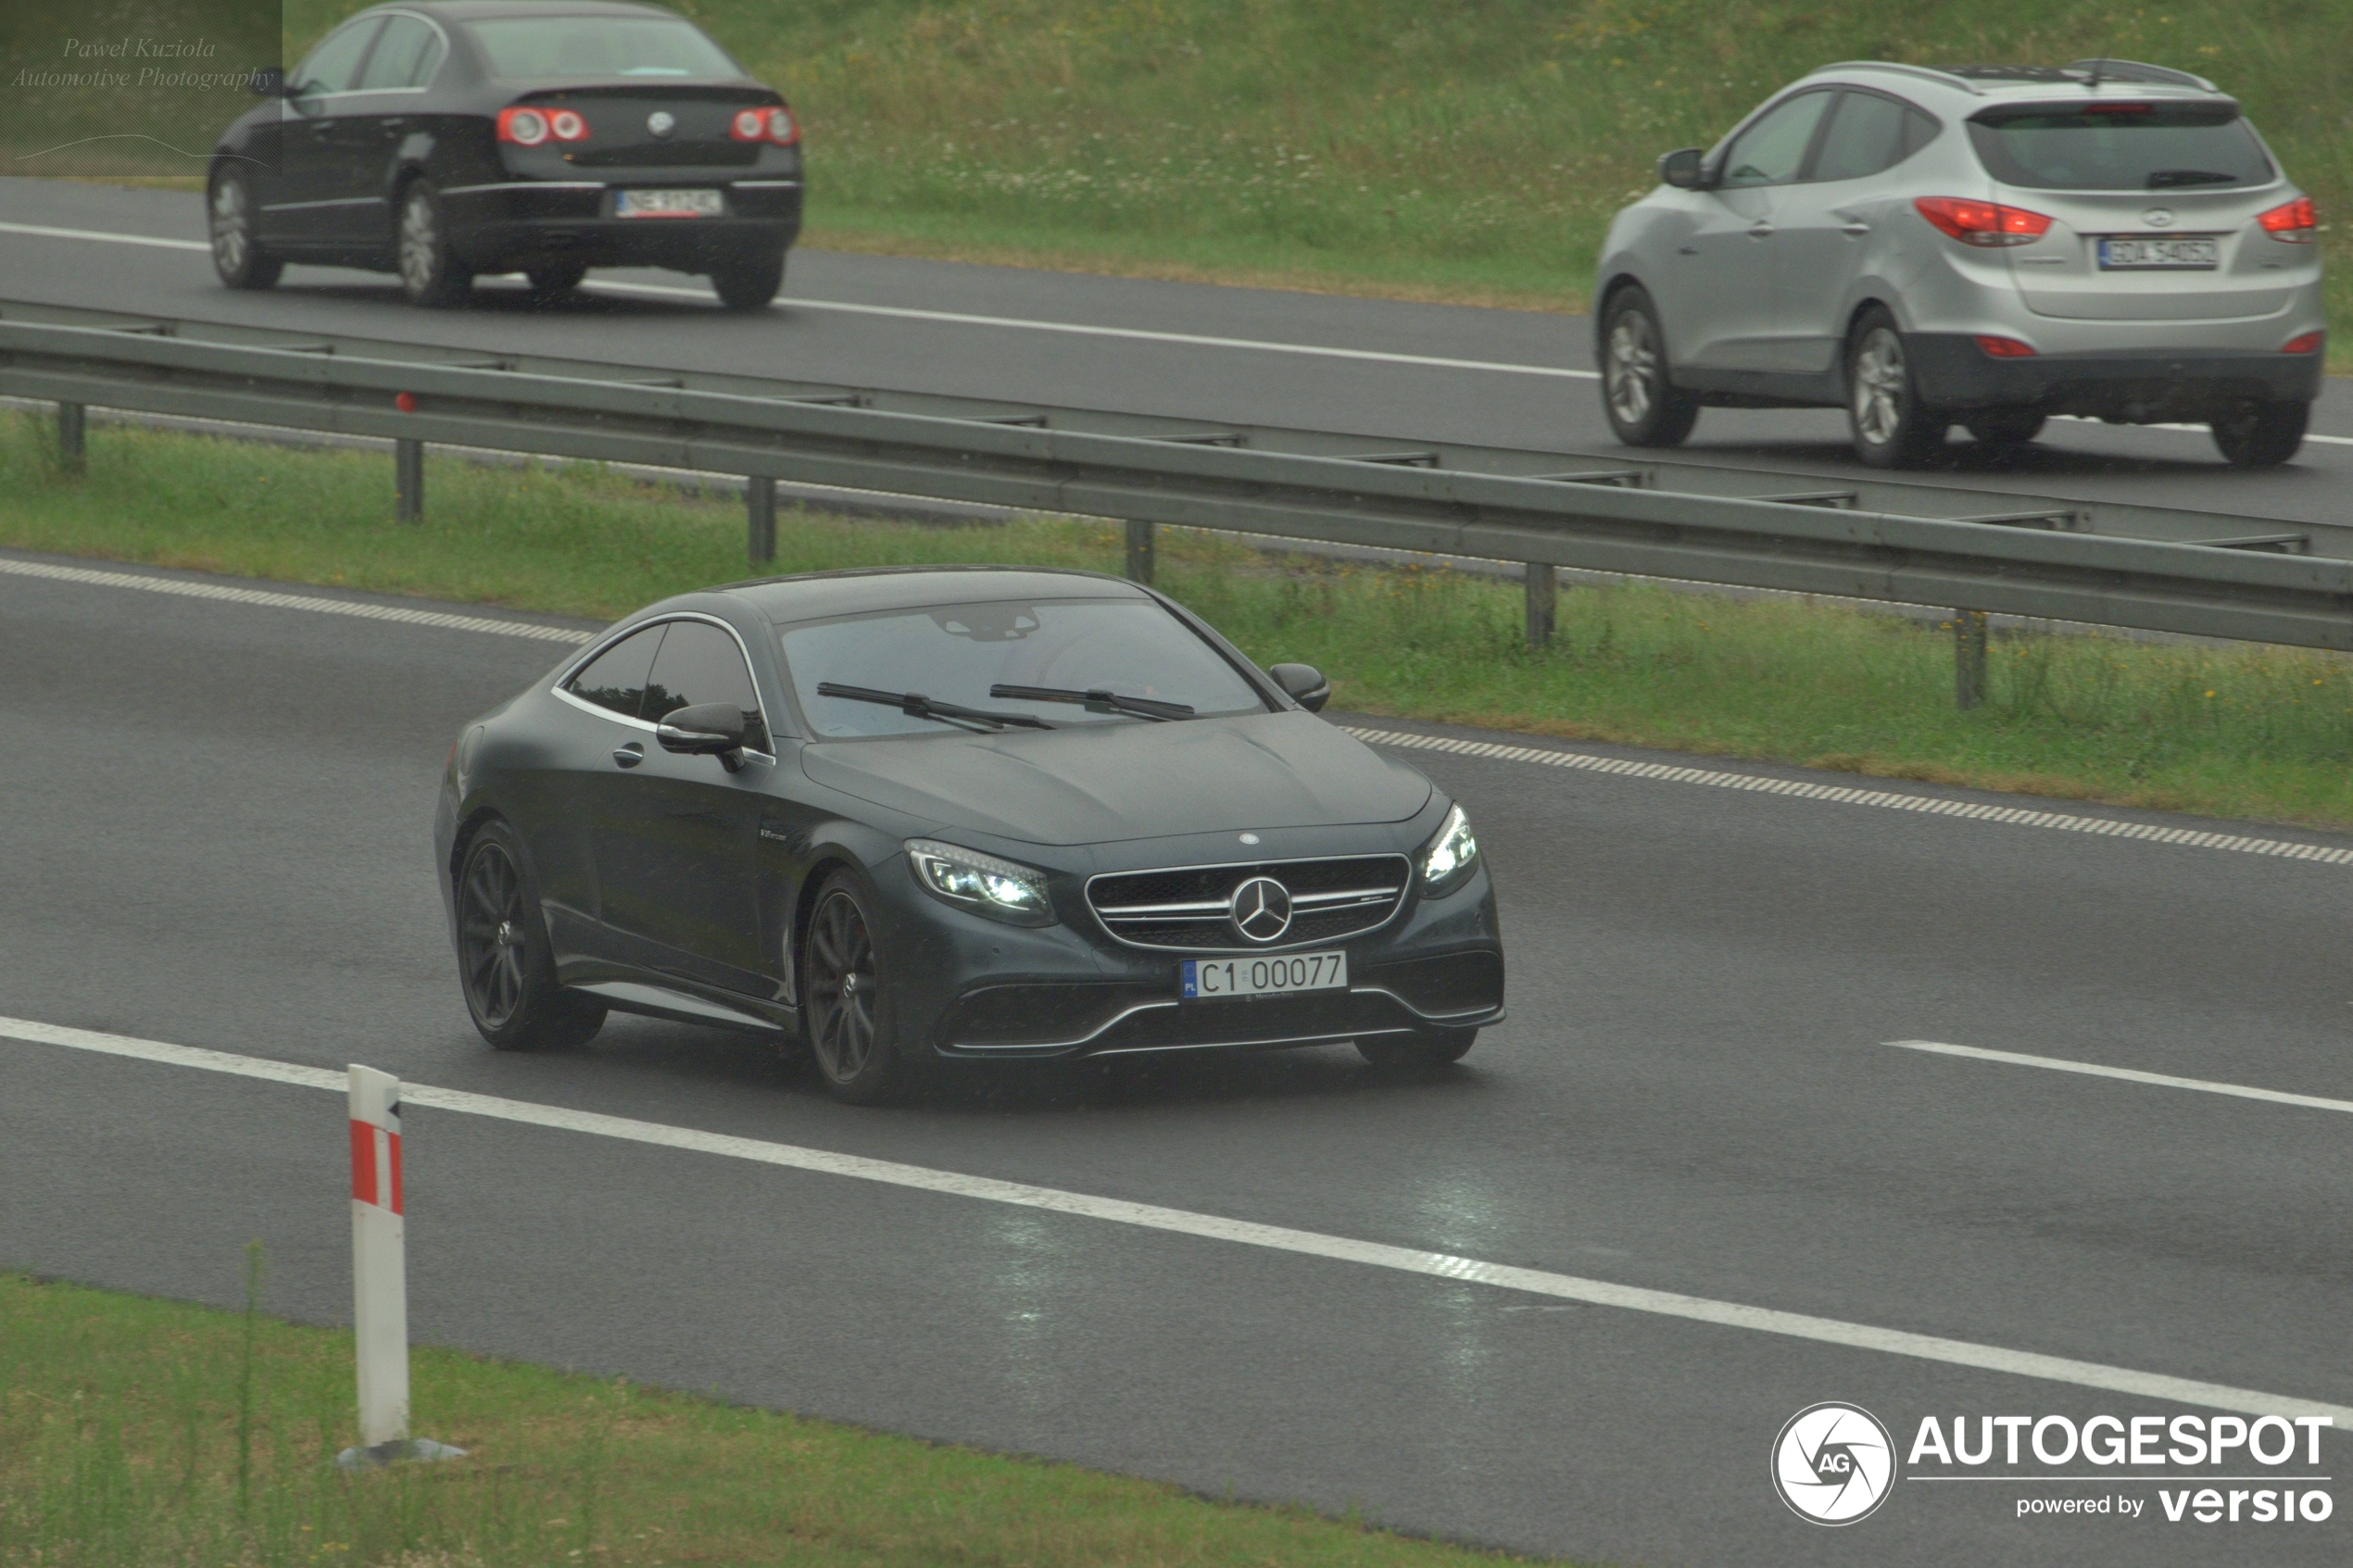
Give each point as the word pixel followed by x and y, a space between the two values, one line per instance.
pixel 1304 683
pixel 1681 169
pixel 707 729
pixel 267 82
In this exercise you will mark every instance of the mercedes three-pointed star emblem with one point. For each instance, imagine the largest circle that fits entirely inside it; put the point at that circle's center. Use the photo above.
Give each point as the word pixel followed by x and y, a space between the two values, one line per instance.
pixel 1262 910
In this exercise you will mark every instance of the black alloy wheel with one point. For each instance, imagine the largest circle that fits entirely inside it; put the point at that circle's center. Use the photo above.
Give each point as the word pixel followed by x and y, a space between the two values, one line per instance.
pixel 503 962
pixel 1643 407
pixel 1439 1048
pixel 2005 427
pixel 849 1024
pixel 749 284
pixel 1893 427
pixel 430 273
pixel 2260 435
pixel 235 225
pixel 549 284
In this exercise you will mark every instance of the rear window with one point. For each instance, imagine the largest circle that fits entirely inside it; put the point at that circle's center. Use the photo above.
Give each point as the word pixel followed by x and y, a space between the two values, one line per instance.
pixel 656 47
pixel 2119 147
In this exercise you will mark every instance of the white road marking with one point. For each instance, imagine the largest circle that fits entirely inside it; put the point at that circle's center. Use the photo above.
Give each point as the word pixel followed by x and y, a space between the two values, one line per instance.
pixel 2130 1074
pixel 1935 806
pixel 1138 335
pixel 1212 1227
pixel 311 602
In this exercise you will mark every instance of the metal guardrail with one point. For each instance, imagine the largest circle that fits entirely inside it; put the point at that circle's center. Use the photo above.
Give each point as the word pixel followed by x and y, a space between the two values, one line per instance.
pixel 2160 569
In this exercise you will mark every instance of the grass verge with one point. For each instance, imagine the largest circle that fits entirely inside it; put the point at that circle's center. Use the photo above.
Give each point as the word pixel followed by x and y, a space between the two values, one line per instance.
pixel 135 1431
pixel 2238 730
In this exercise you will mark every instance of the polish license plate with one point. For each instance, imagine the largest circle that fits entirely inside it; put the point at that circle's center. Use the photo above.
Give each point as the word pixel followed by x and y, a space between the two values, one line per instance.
pixel 2119 253
pixel 667 204
pixel 1205 979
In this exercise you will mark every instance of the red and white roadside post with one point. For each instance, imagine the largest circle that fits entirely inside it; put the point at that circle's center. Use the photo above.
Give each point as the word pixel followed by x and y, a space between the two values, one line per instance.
pixel 379 1258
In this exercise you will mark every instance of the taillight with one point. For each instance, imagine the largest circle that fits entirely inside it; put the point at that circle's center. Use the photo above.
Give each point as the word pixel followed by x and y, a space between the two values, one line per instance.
pixel 775 125
pixel 2292 221
pixel 1982 223
pixel 2310 343
pixel 525 127
pixel 2005 348
pixel 568 126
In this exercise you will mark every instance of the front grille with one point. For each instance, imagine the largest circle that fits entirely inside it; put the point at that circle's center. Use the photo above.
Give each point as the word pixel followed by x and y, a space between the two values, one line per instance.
pixel 1189 907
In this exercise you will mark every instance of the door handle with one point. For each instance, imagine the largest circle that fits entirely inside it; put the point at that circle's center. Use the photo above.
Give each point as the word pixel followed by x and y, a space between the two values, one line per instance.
pixel 1761 231
pixel 1687 250
pixel 392 126
pixel 629 756
pixel 1858 230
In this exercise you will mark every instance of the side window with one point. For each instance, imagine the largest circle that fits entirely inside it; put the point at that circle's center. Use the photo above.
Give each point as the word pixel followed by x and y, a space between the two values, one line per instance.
pixel 701 663
pixel 1865 136
pixel 616 678
pixel 335 65
pixel 1918 131
pixel 1773 151
pixel 405 57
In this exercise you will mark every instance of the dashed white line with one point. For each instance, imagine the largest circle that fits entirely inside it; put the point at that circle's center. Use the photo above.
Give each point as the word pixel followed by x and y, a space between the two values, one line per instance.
pixel 1212 1227
pixel 2129 1074
pixel 1931 805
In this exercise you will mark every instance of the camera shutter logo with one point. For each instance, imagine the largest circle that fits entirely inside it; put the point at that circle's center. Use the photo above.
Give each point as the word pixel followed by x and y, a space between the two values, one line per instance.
pixel 1833 1464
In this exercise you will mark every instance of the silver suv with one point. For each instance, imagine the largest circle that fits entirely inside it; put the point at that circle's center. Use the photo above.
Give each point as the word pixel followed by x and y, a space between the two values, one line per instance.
pixel 1983 245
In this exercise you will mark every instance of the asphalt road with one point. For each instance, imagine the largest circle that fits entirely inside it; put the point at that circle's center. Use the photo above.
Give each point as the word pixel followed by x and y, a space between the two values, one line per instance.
pixel 825 329
pixel 217 836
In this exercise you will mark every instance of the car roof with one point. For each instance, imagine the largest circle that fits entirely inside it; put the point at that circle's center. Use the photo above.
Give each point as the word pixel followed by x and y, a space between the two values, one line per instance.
pixel 1980 85
pixel 811 595
pixel 481 10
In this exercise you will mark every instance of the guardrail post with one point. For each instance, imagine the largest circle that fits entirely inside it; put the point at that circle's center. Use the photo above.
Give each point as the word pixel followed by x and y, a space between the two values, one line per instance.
pixel 73 421
pixel 407 479
pixel 759 518
pixel 1544 602
pixel 1142 548
pixel 1968 658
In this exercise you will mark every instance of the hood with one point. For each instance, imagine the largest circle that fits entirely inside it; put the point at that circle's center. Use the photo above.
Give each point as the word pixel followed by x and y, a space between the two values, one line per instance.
pixel 1100 784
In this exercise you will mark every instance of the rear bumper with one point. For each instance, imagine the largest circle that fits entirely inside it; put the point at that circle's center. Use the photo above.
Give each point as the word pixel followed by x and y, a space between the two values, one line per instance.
pixel 510 225
pixel 2138 387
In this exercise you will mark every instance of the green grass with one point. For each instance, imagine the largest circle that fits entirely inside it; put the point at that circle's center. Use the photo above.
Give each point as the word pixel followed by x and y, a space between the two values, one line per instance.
pixel 2233 730
pixel 1472 150
pixel 123 1420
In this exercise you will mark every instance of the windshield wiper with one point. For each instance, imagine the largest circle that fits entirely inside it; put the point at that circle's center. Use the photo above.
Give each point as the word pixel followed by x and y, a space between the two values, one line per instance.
pixel 1097 701
pixel 2164 178
pixel 917 706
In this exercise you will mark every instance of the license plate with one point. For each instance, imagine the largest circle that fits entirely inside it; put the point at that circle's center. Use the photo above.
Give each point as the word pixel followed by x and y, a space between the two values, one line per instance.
pixel 2194 254
pixel 1204 979
pixel 667 204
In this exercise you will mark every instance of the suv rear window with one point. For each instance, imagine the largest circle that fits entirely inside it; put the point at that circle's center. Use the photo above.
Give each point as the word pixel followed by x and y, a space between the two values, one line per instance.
pixel 2119 147
pixel 520 48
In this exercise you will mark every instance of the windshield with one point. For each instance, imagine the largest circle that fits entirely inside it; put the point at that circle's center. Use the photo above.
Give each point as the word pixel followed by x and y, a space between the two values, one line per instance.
pixel 2121 148
pixel 954 652
pixel 524 47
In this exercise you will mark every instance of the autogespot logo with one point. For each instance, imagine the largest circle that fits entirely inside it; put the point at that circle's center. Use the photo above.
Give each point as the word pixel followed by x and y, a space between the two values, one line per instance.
pixel 1833 1464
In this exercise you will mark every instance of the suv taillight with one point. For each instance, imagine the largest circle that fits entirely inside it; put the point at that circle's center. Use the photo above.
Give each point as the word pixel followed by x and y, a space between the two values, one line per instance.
pixel 775 125
pixel 1982 223
pixel 2292 221
pixel 528 127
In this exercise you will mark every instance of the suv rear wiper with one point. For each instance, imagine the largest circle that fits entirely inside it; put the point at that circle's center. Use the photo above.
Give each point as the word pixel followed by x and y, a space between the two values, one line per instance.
pixel 917 706
pixel 1100 700
pixel 2165 178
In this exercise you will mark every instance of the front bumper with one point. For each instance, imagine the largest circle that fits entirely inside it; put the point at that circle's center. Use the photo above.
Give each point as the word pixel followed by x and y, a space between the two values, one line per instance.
pixel 2140 387
pixel 516 224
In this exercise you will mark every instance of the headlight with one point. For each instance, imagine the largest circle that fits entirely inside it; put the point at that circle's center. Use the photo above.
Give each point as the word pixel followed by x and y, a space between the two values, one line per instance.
pixel 982 883
pixel 1451 856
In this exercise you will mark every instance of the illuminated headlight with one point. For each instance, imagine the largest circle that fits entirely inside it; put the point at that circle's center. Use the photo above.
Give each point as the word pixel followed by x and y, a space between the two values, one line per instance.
pixel 1451 856
pixel 983 883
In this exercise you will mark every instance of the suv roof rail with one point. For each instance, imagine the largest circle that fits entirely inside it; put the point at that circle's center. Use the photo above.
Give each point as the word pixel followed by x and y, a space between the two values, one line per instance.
pixel 2136 71
pixel 1928 73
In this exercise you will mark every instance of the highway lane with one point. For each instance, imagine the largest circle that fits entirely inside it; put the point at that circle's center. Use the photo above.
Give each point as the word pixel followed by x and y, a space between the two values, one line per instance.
pixel 218 837
pixel 678 326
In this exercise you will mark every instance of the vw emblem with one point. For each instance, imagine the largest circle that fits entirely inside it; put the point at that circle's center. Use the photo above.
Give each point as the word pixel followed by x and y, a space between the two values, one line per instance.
pixel 1262 908
pixel 2158 218
pixel 661 123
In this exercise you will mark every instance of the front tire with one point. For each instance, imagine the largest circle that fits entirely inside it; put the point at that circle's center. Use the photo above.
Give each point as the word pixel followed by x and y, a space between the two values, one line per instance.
pixel 1643 407
pixel 2261 435
pixel 852 1029
pixel 1424 1052
pixel 1892 426
pixel 235 222
pixel 505 965
pixel 430 273
pixel 750 284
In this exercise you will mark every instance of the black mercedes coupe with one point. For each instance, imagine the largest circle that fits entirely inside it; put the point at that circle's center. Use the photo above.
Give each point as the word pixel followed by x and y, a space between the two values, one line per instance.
pixel 444 138
pixel 979 812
